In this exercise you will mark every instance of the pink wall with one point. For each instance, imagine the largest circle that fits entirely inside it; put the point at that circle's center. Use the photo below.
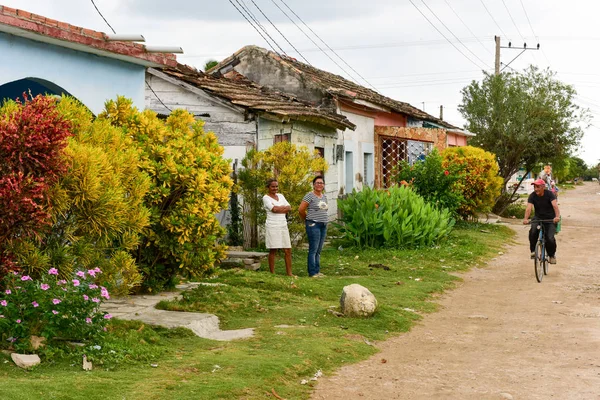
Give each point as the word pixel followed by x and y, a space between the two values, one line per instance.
pixel 390 119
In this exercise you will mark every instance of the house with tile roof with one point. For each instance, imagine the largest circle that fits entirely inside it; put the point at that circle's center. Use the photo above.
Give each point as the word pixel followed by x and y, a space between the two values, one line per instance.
pixel 46 56
pixel 387 130
pixel 245 115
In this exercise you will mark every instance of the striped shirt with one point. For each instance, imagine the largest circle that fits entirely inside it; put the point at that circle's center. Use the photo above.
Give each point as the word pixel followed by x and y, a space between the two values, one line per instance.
pixel 317 207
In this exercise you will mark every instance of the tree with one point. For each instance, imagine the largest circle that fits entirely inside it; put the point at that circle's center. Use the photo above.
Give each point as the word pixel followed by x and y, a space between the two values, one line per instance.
pixel 209 64
pixel 524 118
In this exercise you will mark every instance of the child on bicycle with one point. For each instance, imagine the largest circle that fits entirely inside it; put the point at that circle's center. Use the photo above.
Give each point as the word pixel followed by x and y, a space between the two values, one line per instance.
pixel 545 205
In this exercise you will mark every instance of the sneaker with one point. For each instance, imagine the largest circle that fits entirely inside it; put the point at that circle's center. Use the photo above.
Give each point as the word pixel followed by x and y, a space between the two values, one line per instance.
pixel 532 255
pixel 552 260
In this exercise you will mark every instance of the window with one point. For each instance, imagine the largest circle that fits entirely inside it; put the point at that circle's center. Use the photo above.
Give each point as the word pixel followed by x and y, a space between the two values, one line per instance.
pixel 394 150
pixel 284 137
pixel 368 169
pixel 321 151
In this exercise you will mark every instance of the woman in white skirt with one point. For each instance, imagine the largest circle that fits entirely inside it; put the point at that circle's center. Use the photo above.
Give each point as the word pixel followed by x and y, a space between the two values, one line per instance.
pixel 277 233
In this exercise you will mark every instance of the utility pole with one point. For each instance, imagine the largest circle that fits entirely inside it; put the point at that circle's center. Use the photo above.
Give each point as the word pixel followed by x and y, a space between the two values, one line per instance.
pixel 442 113
pixel 497 63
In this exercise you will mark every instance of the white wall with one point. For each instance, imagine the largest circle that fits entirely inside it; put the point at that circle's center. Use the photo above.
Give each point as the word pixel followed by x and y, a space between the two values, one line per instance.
pixel 359 141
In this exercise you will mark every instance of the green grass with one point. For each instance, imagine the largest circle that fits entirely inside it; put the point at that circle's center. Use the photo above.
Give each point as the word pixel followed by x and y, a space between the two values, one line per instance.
pixel 277 358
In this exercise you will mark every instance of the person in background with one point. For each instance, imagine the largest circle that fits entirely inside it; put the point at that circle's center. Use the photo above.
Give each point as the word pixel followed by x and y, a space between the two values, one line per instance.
pixel 554 189
pixel 313 210
pixel 546 175
pixel 277 235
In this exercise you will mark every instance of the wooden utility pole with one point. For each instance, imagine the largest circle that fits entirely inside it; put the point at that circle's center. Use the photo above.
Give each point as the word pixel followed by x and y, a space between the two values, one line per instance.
pixel 497 63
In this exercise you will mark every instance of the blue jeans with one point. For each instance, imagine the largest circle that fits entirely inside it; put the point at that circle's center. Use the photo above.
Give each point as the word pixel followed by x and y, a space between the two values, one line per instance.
pixel 316 232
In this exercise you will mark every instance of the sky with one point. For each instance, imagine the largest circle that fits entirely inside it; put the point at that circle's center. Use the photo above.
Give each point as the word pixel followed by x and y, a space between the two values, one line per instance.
pixel 422 52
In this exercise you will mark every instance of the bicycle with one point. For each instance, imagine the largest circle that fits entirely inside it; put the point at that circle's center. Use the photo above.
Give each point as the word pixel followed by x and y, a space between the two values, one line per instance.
pixel 540 261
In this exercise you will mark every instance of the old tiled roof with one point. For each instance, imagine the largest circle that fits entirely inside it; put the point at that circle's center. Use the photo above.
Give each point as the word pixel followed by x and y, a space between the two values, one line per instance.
pixel 36 27
pixel 339 86
pixel 242 92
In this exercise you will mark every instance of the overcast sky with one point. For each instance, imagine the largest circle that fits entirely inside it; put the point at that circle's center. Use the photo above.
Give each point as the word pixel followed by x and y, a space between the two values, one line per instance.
pixel 388 43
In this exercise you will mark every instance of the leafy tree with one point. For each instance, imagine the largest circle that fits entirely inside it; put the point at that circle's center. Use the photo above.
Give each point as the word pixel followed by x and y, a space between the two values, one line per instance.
pixel 293 166
pixel 524 119
pixel 569 168
pixel 33 136
pixel 190 184
pixel 209 64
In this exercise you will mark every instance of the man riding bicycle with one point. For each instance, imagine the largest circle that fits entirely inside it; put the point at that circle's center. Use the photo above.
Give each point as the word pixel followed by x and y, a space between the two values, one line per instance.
pixel 546 208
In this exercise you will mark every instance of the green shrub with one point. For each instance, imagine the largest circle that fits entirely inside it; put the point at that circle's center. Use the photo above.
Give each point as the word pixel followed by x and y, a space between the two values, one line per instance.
pixel 432 180
pixel 191 183
pixel 516 210
pixel 478 183
pixel 397 217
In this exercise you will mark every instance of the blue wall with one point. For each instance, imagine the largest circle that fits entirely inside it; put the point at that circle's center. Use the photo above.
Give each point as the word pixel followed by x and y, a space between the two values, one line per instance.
pixel 90 78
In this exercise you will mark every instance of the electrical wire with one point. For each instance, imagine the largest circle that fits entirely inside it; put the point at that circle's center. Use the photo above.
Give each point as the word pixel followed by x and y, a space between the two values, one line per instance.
pixel 469 29
pixel 247 10
pixel 157 98
pixel 441 33
pixel 255 28
pixel 513 21
pixel 282 35
pixel 532 31
pixel 493 19
pixel 322 41
pixel 452 33
pixel 111 28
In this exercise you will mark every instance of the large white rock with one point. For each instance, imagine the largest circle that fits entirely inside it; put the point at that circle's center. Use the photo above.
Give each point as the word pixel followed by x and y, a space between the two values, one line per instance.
pixel 25 360
pixel 357 301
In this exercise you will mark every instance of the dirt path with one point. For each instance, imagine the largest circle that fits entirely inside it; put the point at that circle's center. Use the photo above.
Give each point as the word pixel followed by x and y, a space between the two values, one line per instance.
pixel 500 334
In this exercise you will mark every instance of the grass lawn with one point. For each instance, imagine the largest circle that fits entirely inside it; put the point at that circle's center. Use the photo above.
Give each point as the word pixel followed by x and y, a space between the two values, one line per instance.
pixel 295 334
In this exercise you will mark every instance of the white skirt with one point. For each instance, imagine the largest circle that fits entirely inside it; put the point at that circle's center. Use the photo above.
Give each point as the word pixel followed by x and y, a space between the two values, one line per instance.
pixel 278 237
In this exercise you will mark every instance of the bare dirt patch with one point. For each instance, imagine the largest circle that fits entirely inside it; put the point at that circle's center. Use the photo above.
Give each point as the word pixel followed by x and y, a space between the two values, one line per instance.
pixel 500 334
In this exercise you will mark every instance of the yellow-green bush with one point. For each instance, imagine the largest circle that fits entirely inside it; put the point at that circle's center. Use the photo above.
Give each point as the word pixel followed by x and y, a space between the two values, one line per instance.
pixel 478 181
pixel 190 184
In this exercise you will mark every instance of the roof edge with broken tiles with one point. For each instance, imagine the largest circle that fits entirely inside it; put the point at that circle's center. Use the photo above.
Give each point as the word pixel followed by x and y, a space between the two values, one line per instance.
pixel 37 27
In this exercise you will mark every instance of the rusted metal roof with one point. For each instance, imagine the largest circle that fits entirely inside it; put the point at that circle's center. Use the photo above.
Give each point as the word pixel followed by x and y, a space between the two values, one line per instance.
pixel 336 85
pixel 245 93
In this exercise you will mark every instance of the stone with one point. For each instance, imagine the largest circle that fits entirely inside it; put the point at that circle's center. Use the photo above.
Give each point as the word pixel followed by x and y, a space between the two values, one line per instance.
pixel 248 261
pixel 506 396
pixel 253 267
pixel 25 360
pixel 232 263
pixel 357 301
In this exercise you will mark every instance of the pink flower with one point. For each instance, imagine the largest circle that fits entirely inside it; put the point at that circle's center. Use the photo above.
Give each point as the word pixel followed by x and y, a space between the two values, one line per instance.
pixel 107 316
pixel 104 329
pixel 44 286
pixel 88 320
pixel 97 270
pixel 80 274
pixel 56 301
pixel 61 282
pixel 18 321
pixel 85 297
pixel 75 282
pixel 92 286
pixel 34 304
pixel 26 278
pixel 92 272
pixel 96 300
pixel 53 271
pixel 1 316
pixel 54 312
pixel 104 293
pixel 7 291
pixel 64 289
pixel 3 303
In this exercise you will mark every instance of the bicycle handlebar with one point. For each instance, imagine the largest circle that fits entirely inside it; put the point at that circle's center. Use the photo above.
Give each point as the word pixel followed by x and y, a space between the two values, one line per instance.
pixel 535 221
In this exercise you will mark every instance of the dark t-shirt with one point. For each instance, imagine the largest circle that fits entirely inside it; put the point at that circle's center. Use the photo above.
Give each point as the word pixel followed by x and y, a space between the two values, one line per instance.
pixel 543 205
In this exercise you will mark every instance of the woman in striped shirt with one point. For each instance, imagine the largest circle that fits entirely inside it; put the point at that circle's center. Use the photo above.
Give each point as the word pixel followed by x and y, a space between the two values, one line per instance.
pixel 313 210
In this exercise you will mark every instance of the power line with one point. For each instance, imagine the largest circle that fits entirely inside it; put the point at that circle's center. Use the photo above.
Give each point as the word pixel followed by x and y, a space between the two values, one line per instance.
pixel 157 98
pixel 111 28
pixel 441 33
pixel 255 28
pixel 469 29
pixel 493 19
pixel 282 35
pixel 248 12
pixel 532 31
pixel 322 41
pixel 513 21
pixel 452 33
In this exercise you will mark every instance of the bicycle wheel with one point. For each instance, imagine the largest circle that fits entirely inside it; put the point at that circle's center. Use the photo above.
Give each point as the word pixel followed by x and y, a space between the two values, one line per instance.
pixel 545 260
pixel 538 262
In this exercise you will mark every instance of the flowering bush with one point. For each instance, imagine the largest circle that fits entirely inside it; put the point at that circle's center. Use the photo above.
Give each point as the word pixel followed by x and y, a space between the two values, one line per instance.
pixel 51 307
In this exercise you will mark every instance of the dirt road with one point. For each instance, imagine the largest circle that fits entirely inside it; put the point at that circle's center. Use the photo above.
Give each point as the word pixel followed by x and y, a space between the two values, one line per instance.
pixel 500 334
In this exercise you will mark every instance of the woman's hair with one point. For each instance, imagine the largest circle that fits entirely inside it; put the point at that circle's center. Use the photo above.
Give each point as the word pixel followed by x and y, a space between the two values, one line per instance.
pixel 318 177
pixel 269 181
